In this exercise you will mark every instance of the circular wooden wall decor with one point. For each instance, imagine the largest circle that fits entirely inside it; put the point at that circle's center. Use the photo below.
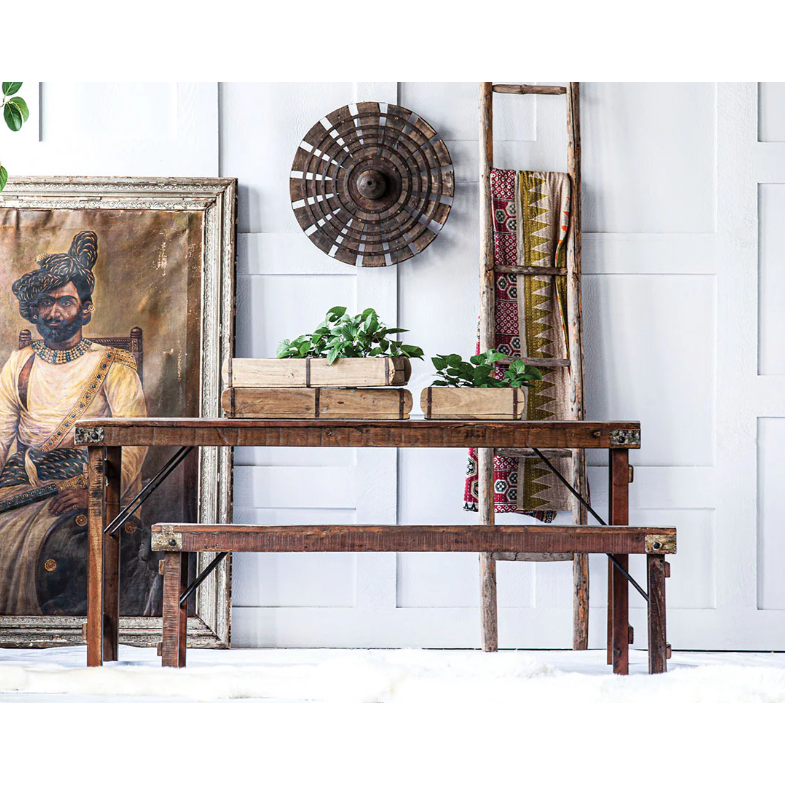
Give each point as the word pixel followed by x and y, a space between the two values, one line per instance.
pixel 372 184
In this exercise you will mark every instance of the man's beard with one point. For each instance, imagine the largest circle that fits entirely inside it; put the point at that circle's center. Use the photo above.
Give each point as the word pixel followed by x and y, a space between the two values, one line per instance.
pixel 59 332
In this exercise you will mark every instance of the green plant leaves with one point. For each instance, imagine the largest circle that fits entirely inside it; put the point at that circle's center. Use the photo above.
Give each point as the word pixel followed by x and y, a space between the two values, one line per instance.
pixel 480 371
pixel 340 335
pixel 21 105
pixel 3 177
pixel 13 116
pixel 11 88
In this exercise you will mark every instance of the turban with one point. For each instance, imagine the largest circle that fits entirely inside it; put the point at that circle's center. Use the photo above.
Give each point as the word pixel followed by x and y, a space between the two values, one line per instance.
pixel 56 270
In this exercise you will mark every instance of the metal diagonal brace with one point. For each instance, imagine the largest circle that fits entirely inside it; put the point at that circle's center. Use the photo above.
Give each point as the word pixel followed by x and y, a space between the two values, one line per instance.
pixel 588 506
pixel 199 580
pixel 148 489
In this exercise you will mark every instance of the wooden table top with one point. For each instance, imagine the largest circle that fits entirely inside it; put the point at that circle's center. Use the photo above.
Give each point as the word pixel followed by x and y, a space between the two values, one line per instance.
pixel 178 431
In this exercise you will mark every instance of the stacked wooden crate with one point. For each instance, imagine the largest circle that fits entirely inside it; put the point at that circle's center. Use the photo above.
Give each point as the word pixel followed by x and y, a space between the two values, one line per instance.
pixel 367 388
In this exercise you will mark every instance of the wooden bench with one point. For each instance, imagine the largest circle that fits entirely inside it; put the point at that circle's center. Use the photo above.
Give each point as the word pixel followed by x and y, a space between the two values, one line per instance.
pixel 179 540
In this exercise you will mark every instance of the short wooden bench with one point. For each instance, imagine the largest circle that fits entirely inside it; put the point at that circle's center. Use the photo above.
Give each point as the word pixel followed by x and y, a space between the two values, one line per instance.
pixel 178 540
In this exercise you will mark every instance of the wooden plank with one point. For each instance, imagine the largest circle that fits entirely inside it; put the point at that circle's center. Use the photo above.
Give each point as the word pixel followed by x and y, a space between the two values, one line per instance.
pixel 315 372
pixel 487 275
pixel 544 362
pixel 174 615
pixel 575 353
pixel 147 431
pixel 527 452
pixel 658 646
pixel 489 624
pixel 618 503
pixel 471 538
pixel 111 614
pixel 528 270
pixel 529 89
pixel 535 557
pixel 95 555
pixel 295 403
pixel 467 403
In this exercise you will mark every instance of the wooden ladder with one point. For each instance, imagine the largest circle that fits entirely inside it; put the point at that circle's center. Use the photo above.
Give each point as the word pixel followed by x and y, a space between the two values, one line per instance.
pixel 488 272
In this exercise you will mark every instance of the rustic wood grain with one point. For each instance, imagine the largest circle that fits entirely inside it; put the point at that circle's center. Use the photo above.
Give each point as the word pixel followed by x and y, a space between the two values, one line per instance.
pixel 296 403
pixel 489 624
pixel 575 353
pixel 157 431
pixel 527 452
pixel 487 339
pixel 111 614
pixel 618 504
pixel 658 654
pixel 466 538
pixel 371 184
pixel 515 269
pixel 175 616
pixel 95 554
pixel 470 403
pixel 315 372
pixel 529 89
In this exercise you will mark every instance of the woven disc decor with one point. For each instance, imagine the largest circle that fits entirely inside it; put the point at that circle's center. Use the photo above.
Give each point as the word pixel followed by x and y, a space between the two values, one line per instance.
pixel 372 184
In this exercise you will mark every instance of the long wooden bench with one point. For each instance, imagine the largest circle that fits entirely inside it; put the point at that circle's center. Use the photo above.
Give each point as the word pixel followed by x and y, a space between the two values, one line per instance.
pixel 178 540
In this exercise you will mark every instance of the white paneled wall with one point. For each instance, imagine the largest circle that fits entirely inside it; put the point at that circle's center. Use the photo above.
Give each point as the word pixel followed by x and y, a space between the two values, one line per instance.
pixel 683 248
pixel 671 293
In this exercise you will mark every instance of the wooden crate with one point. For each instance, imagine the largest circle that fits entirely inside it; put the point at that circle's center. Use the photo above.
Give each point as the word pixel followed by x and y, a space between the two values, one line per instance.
pixel 473 403
pixel 346 372
pixel 316 402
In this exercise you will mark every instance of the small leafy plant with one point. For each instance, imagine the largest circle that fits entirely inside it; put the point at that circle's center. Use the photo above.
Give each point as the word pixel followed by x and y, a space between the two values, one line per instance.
pixel 340 335
pixel 15 112
pixel 479 371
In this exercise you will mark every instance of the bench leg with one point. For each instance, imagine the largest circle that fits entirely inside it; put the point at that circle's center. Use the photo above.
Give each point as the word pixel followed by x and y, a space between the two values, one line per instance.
pixel 95 555
pixel 618 592
pixel 658 655
pixel 111 615
pixel 174 615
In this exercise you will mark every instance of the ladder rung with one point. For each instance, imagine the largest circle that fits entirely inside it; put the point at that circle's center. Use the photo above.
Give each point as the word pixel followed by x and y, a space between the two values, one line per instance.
pixel 527 452
pixel 508 556
pixel 550 362
pixel 529 89
pixel 521 270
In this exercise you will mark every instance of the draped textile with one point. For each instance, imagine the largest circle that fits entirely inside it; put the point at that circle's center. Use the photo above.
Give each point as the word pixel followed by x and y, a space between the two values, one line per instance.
pixel 531 213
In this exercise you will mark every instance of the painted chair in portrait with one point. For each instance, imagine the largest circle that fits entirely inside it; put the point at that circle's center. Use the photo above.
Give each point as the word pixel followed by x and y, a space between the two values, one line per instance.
pixel 61 566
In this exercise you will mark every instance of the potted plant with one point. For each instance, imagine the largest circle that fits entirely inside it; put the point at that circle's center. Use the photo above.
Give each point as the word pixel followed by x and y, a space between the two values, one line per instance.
pixel 314 375
pixel 471 390
pixel 343 351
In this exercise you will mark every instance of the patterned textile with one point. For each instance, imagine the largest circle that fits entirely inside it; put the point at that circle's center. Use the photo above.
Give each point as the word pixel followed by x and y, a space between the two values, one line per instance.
pixel 55 465
pixel 530 322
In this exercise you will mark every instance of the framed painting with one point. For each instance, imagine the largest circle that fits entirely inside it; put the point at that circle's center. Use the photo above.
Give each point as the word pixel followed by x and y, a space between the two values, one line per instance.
pixel 146 268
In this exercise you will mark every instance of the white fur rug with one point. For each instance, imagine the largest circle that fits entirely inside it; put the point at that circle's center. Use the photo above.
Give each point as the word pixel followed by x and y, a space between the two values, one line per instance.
pixel 403 676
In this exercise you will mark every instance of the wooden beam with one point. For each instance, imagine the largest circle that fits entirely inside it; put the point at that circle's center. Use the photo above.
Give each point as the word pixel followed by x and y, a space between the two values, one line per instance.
pixel 175 617
pixel 515 269
pixel 545 362
pixel 95 554
pixel 575 353
pixel 158 432
pixel 658 646
pixel 618 504
pixel 111 615
pixel 542 538
pixel 530 89
pixel 524 452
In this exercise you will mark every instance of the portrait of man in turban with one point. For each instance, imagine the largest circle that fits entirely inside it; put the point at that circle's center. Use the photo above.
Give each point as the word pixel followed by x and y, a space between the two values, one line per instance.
pixel 45 389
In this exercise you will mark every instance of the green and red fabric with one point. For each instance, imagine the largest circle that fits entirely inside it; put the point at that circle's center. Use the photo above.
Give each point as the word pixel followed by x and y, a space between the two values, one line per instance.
pixel 531 213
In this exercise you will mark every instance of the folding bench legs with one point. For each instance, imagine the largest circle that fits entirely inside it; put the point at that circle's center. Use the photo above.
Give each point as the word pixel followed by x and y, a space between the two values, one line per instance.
pixel 174 614
pixel 656 569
